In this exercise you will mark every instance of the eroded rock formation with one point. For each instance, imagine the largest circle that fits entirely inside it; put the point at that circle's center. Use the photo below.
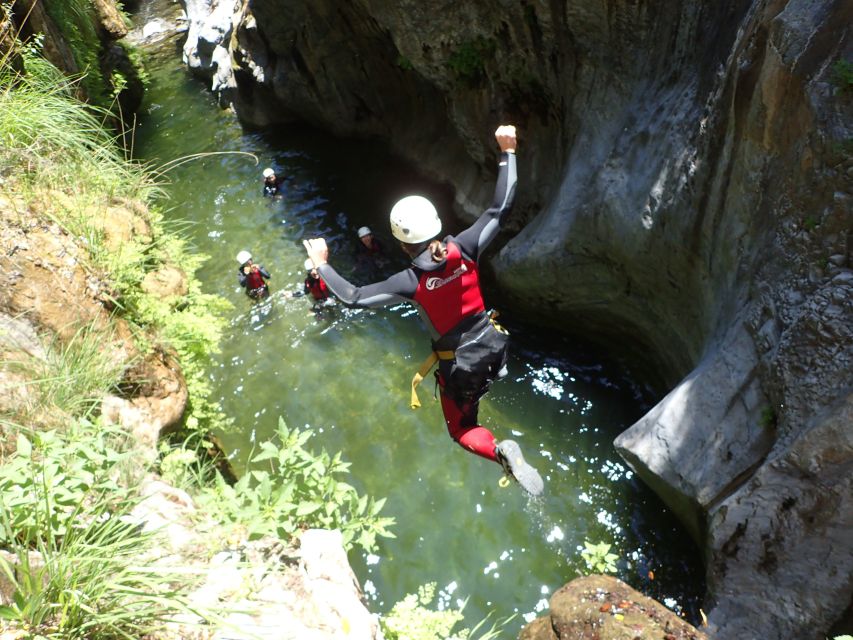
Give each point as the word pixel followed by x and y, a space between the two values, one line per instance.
pixel 685 196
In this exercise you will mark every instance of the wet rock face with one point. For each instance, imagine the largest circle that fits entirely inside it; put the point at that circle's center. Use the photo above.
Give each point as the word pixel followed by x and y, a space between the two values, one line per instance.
pixel 684 196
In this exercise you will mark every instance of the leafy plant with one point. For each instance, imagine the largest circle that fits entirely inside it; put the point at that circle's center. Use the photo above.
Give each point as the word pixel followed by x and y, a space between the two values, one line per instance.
pixel 598 558
pixel 75 564
pixel 468 61
pixel 51 473
pixel 411 619
pixel 299 490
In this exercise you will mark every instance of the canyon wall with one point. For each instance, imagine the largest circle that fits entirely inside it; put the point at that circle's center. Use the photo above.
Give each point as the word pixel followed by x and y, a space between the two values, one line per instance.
pixel 684 197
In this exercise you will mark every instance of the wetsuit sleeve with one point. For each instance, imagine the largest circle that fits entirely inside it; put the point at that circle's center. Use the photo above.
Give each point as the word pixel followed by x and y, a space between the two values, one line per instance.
pixel 264 273
pixel 399 287
pixel 475 238
pixel 241 277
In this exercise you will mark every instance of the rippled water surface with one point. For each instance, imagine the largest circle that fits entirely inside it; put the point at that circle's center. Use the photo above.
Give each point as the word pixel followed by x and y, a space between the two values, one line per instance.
pixel 346 374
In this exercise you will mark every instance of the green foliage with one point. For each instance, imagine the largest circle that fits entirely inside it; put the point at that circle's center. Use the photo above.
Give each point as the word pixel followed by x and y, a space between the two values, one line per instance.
pixel 64 501
pixel 177 465
pixel 468 61
pixel 598 558
pixel 52 142
pixel 810 223
pixel 136 57
pixel 299 490
pixel 842 74
pixel 410 619
pixel 54 146
pixel 50 474
pixel 77 22
pixel 404 63
pixel 78 372
pixel 65 516
pixel 73 376
pixel 192 325
pixel 768 418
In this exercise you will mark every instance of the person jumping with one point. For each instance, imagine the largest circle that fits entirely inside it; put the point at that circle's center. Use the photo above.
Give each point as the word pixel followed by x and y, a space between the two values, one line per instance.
pixel 444 284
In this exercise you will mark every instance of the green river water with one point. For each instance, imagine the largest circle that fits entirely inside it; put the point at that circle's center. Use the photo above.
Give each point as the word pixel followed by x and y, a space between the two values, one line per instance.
pixel 346 373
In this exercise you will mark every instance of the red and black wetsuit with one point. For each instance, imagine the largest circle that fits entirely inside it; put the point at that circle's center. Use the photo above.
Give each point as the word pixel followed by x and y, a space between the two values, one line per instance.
pixel 447 295
pixel 254 281
pixel 317 288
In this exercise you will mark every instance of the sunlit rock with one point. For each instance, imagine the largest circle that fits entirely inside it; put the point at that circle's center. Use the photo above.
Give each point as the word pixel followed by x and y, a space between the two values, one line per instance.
pixel 608 609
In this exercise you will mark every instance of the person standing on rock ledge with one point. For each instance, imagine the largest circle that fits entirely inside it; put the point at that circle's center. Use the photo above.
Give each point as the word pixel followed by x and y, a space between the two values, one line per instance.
pixel 443 283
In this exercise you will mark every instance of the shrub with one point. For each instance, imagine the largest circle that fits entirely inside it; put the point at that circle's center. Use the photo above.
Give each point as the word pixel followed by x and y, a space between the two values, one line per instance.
pixel 299 490
pixel 75 566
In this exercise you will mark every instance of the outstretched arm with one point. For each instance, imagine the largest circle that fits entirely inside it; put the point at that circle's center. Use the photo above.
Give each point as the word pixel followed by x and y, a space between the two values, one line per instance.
pixel 399 287
pixel 475 238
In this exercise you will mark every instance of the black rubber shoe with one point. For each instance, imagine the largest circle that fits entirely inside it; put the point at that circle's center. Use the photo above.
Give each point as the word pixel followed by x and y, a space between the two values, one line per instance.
pixel 509 455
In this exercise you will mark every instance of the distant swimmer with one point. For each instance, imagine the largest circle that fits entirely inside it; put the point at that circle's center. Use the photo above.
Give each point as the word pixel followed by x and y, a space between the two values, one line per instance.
pixel 272 183
pixel 443 283
pixel 369 242
pixel 253 277
pixel 370 259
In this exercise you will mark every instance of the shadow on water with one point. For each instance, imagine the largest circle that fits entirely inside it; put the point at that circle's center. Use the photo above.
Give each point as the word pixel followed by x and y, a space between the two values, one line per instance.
pixel 346 374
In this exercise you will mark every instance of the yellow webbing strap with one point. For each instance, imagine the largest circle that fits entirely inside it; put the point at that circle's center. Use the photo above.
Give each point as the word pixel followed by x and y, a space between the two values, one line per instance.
pixel 427 365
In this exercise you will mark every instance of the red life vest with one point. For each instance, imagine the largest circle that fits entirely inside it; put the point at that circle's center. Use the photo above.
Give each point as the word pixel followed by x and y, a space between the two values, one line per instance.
pixel 254 280
pixel 452 293
pixel 317 287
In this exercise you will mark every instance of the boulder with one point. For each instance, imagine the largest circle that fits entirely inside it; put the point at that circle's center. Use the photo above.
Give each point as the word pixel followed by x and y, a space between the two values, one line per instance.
pixel 166 282
pixel 605 608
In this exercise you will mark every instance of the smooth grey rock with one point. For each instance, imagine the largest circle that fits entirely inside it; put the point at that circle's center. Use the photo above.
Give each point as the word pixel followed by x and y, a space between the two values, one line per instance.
pixel 672 447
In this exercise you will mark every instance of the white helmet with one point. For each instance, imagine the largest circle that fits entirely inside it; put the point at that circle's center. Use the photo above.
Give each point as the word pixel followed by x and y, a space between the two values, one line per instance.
pixel 243 257
pixel 268 172
pixel 309 264
pixel 414 219
pixel 364 231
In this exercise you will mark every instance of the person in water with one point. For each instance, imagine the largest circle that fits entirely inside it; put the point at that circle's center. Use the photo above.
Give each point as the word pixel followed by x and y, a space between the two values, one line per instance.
pixel 314 283
pixel 272 183
pixel 443 283
pixel 252 277
pixel 369 242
